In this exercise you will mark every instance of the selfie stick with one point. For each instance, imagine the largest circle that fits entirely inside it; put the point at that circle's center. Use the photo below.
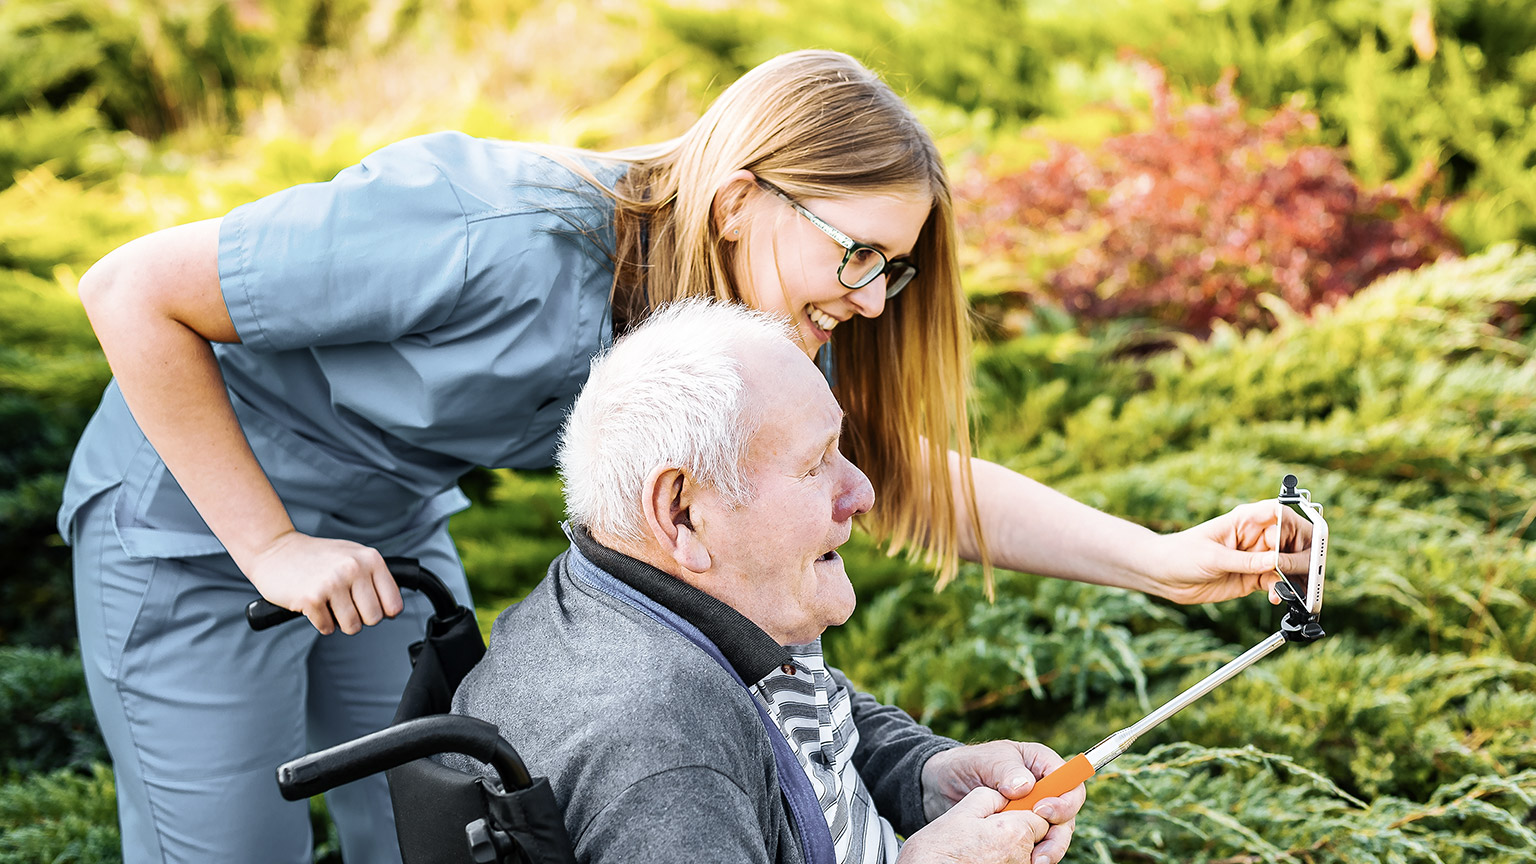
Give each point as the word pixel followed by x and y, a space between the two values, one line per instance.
pixel 1299 625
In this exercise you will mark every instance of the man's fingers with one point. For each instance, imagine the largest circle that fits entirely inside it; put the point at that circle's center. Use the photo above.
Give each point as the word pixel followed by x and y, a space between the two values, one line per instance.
pixel 1053 847
pixel 1039 759
pixel 980 803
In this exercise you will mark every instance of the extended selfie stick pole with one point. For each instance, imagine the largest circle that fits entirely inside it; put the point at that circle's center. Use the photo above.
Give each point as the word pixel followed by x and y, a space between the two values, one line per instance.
pixel 1085 765
pixel 1299 625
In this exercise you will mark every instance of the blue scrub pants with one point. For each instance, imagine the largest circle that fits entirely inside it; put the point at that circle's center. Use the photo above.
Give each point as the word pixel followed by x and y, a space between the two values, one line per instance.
pixel 198 710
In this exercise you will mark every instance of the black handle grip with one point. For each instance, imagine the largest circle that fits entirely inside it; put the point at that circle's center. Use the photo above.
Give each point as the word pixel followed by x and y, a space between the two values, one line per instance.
pixel 396 745
pixel 408 572
pixel 263 613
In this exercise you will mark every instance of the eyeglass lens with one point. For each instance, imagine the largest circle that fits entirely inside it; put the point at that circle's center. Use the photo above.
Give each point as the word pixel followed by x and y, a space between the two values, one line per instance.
pixel 864 264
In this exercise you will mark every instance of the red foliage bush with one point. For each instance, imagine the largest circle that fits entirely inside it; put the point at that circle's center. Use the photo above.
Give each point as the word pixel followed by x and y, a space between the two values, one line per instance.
pixel 1193 219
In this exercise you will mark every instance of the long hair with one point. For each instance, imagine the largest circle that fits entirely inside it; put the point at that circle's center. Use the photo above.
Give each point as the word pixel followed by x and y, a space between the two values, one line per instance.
pixel 819 124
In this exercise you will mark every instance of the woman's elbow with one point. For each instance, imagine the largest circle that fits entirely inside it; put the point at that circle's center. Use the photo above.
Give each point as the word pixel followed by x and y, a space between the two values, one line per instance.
pixel 101 286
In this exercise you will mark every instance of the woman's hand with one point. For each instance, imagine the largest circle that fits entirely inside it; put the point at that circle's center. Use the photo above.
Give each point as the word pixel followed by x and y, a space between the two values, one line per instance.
pixel 1010 767
pixel 334 583
pixel 1231 555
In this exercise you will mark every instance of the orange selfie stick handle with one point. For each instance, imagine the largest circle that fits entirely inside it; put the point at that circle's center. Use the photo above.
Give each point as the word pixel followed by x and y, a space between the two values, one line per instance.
pixel 1057 783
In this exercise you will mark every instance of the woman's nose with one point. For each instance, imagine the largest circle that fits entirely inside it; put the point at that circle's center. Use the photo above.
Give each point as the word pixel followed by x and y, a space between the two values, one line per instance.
pixel 869 300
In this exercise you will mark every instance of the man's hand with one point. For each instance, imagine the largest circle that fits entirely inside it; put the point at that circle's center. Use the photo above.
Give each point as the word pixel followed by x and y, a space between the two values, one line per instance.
pixel 976 831
pixel 1230 556
pixel 1011 768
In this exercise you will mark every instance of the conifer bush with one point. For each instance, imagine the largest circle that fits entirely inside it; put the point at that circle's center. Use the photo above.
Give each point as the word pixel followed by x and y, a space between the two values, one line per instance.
pixel 973 54
pixel 42 692
pixel 1192 220
pixel 61 817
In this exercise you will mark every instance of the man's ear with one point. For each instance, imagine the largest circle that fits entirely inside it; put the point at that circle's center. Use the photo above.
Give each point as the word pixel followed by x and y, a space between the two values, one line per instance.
pixel 730 205
pixel 668 499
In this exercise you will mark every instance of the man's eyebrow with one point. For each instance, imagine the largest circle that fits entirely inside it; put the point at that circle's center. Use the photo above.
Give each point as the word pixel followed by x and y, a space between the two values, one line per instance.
pixel 830 442
pixel 837 433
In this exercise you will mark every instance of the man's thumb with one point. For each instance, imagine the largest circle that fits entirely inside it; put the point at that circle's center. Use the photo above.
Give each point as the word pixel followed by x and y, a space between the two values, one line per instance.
pixel 979 803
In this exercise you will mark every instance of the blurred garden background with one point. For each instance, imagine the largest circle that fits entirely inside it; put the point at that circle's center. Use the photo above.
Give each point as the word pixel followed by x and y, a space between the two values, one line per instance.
pixel 1209 242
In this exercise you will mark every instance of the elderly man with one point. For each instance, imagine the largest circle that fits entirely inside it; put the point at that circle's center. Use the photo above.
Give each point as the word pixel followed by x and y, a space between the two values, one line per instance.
pixel 667 674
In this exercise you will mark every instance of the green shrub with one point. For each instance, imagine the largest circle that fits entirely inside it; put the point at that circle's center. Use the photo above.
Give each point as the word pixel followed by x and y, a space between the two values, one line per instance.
pixel 978 55
pixel 49 725
pixel 150 68
pixel 64 817
pixel 1374 721
pixel 1193 805
pixel 51 374
pixel 522 504
pixel 1407 411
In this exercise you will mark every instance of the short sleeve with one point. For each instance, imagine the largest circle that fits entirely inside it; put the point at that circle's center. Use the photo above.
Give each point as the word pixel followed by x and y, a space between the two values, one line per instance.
pixel 376 253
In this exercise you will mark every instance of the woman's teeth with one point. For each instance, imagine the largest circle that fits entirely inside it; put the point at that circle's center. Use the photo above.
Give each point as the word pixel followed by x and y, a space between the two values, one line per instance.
pixel 822 319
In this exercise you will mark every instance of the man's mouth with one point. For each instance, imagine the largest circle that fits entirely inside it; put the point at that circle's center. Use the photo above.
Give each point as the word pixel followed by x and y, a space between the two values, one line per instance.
pixel 830 556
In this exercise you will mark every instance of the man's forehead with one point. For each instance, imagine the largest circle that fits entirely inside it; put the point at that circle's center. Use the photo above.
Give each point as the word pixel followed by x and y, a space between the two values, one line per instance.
pixel 790 398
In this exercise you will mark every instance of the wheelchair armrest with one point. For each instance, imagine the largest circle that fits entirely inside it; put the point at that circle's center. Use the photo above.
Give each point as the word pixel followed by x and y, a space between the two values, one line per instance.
pixel 395 746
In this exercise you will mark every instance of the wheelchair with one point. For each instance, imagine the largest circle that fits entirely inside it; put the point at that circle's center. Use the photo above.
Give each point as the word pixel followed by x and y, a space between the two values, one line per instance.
pixel 442 815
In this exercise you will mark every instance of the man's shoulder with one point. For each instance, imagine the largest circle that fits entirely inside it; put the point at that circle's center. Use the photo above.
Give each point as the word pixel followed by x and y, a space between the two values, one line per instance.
pixel 608 703
pixel 567 653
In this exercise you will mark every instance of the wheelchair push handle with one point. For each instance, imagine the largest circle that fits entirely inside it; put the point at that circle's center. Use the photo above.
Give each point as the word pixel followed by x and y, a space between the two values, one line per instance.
pixel 408 572
pixel 396 745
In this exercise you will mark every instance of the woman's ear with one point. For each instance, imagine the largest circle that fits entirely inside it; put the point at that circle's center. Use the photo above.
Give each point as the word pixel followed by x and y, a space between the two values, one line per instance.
pixel 729 209
pixel 668 502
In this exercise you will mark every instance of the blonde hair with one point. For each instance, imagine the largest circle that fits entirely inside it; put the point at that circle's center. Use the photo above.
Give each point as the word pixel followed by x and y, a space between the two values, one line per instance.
pixel 819 124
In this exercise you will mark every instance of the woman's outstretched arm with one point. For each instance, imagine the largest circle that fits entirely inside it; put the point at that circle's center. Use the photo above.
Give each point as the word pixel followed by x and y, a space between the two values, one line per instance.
pixel 1033 528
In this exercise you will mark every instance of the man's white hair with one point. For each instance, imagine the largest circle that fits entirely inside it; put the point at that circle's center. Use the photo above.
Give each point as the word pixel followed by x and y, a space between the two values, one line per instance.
pixel 669 393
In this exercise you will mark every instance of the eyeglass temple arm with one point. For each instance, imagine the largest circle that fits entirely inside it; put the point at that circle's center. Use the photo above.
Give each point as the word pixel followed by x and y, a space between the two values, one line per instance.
pixel 842 239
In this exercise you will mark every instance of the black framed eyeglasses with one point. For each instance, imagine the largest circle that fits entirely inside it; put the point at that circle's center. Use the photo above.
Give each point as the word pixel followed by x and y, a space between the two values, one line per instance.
pixel 862 263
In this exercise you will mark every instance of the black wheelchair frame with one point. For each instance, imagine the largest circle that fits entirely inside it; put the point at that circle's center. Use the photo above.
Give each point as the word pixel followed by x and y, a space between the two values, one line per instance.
pixel 442 815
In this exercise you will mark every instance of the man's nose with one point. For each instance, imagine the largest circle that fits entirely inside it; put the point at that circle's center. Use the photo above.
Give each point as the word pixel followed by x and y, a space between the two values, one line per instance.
pixel 855 497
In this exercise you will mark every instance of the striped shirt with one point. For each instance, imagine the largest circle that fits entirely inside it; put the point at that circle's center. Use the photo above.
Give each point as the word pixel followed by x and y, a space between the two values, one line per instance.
pixel 816 717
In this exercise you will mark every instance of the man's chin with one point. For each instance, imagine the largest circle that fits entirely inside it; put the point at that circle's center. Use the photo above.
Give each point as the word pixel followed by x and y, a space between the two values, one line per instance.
pixel 835 590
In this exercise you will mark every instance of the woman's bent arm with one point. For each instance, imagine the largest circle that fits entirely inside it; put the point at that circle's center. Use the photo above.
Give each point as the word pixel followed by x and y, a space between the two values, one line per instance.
pixel 155 305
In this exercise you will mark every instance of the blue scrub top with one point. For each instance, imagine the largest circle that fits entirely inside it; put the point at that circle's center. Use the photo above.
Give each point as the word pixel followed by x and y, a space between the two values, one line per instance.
pixel 431 309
